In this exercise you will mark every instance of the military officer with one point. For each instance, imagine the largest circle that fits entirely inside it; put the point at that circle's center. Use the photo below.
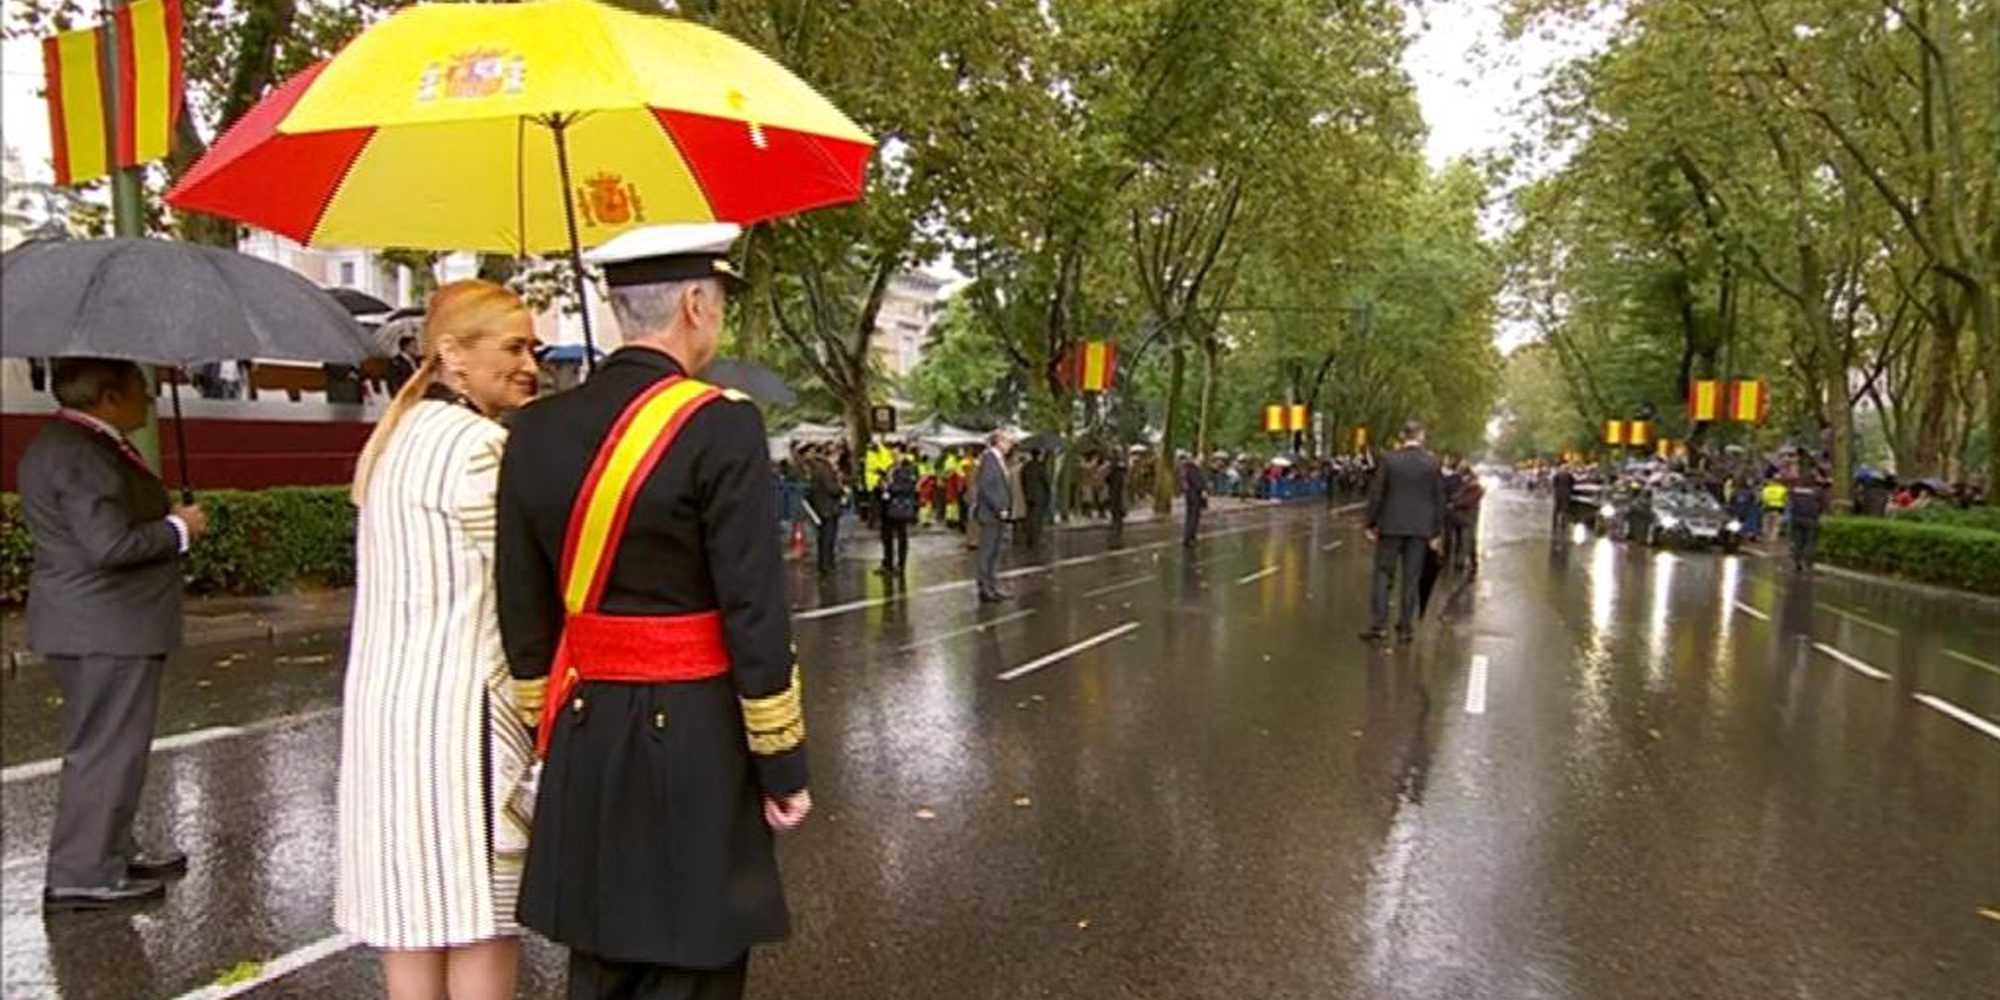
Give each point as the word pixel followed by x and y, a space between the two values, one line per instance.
pixel 641 582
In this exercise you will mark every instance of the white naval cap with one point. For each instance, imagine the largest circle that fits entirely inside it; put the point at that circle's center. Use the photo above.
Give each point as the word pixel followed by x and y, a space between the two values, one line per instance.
pixel 652 255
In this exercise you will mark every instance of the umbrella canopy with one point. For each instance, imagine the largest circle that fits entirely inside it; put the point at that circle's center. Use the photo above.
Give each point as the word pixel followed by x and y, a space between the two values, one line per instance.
pixel 752 379
pixel 571 353
pixel 483 126
pixel 1042 442
pixel 359 303
pixel 164 302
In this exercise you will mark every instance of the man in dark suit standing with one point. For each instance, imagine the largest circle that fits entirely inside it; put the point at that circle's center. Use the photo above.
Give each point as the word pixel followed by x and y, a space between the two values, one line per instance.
pixel 992 504
pixel 823 493
pixel 1194 485
pixel 1406 510
pixel 1563 486
pixel 404 365
pixel 104 609
pixel 1035 489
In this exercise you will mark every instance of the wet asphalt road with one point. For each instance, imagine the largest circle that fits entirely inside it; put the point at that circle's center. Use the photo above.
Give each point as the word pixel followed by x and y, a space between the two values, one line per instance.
pixel 1599 772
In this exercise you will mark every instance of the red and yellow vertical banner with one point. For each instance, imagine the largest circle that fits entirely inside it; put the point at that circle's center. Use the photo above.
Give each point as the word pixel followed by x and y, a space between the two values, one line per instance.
pixel 1704 400
pixel 1097 366
pixel 1296 416
pixel 1749 400
pixel 1614 432
pixel 1639 433
pixel 1664 448
pixel 1360 440
pixel 149 79
pixel 85 141
pixel 73 71
pixel 1274 417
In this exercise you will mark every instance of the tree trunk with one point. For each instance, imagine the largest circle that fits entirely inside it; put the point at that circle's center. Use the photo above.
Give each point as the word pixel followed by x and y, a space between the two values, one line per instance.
pixel 1986 320
pixel 1934 419
pixel 1211 354
pixel 1163 486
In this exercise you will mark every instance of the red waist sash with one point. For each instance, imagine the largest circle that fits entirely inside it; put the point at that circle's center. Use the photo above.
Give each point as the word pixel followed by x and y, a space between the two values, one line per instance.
pixel 631 649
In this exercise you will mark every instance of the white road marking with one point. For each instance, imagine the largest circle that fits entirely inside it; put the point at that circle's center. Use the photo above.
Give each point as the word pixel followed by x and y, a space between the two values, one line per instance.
pixel 1061 654
pixel 1859 619
pixel 1970 719
pixel 1259 575
pixel 168 744
pixel 1973 661
pixel 1109 588
pixel 1752 612
pixel 841 609
pixel 283 965
pixel 1330 546
pixel 1859 667
pixel 1475 687
pixel 968 630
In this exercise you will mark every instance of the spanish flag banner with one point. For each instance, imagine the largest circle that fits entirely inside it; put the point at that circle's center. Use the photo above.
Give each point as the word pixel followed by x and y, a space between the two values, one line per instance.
pixel 73 71
pixel 1665 448
pixel 1749 401
pixel 1274 417
pixel 1639 433
pixel 1096 365
pixel 1297 421
pixel 85 141
pixel 1360 440
pixel 1704 400
pixel 1614 432
pixel 149 79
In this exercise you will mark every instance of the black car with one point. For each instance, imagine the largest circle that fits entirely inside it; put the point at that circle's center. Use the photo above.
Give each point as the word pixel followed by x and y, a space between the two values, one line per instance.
pixel 1683 518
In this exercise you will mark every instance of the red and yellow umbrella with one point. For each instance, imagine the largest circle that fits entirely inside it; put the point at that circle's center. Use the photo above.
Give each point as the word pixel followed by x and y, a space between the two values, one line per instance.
pixel 528 128
pixel 449 126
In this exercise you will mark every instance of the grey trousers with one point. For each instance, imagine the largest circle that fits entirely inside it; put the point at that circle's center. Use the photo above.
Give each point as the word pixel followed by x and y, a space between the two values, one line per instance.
pixel 990 533
pixel 1397 555
pixel 109 706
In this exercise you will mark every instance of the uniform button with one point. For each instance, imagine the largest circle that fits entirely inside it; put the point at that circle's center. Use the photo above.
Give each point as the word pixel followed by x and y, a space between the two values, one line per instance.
pixel 577 704
pixel 659 720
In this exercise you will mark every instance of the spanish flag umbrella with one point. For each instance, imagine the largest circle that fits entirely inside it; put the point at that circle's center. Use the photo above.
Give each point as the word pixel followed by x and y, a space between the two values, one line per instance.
pixel 528 128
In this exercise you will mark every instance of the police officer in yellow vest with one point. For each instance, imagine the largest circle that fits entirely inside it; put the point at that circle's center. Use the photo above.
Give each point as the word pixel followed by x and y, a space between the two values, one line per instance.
pixel 639 579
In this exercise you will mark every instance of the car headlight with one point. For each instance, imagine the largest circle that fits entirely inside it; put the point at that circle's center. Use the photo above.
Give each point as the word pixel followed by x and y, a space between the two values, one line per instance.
pixel 1734 526
pixel 1669 521
pixel 1607 510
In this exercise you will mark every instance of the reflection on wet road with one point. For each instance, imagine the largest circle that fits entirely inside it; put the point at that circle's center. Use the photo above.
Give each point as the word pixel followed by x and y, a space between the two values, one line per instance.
pixel 1599 772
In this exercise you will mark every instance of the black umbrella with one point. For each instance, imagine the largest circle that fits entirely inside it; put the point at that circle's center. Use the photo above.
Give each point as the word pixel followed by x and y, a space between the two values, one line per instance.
pixel 1042 442
pixel 752 379
pixel 169 303
pixel 359 303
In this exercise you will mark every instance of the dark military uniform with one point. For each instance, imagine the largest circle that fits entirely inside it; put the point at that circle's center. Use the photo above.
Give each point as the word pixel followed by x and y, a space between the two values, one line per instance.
pixel 649 844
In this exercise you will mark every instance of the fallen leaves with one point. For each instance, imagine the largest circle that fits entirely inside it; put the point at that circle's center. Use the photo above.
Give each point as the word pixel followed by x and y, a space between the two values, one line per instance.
pixel 1022 801
pixel 926 813
pixel 1990 913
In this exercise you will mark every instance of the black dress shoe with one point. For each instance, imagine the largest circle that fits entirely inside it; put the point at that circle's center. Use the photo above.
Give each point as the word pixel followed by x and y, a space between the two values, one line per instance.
pixel 1374 635
pixel 1405 636
pixel 121 892
pixel 157 864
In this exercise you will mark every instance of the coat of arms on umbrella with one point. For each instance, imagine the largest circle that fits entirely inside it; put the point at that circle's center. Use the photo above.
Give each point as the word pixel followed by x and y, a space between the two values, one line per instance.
pixel 607 200
pixel 473 75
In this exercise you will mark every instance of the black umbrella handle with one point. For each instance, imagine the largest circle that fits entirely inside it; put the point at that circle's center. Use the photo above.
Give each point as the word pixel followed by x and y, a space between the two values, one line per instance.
pixel 181 445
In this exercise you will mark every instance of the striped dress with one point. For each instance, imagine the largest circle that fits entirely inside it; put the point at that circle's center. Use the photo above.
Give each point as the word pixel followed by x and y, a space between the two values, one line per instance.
pixel 433 762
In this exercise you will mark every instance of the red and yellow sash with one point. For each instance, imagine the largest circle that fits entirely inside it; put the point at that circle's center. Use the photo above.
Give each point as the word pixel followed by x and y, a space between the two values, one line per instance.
pixel 626 648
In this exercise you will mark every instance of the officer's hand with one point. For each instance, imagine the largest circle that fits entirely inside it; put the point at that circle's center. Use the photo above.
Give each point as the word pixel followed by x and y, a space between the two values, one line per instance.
pixel 528 697
pixel 1373 535
pixel 195 518
pixel 787 813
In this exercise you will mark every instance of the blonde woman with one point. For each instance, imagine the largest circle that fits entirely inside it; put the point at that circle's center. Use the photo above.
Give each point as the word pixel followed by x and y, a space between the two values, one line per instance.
pixel 433 753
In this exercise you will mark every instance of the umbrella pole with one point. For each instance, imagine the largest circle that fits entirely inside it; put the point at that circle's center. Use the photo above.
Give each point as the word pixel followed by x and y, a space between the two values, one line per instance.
pixel 557 124
pixel 181 444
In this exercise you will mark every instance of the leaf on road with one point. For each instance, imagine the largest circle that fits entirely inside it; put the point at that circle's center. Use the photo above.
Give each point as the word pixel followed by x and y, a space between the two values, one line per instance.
pixel 926 813
pixel 1022 801
pixel 1989 913
pixel 241 972
pixel 1083 925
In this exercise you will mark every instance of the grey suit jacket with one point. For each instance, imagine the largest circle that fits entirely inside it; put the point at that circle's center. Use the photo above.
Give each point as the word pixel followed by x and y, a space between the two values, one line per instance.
pixel 107 574
pixel 993 492
pixel 1407 495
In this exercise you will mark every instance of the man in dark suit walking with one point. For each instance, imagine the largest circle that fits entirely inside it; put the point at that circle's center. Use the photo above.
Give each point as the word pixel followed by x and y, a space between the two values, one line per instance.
pixel 992 503
pixel 104 609
pixel 1194 485
pixel 1406 510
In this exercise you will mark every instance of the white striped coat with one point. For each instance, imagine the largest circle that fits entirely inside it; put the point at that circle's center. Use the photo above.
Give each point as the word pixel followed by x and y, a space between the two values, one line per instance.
pixel 431 836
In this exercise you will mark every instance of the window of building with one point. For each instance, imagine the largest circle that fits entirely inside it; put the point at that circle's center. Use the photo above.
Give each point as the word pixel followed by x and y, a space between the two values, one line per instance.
pixel 347 272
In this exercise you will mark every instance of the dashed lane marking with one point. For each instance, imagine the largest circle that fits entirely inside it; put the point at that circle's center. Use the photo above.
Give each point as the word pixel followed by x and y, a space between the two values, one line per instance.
pixel 1121 585
pixel 1861 620
pixel 968 630
pixel 1975 721
pixel 1068 651
pixel 277 968
pixel 1973 661
pixel 1259 575
pixel 1856 665
pixel 168 744
pixel 1752 612
pixel 1475 687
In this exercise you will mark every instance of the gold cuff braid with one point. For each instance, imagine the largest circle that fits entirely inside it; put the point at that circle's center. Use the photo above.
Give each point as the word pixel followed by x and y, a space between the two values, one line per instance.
pixel 776 723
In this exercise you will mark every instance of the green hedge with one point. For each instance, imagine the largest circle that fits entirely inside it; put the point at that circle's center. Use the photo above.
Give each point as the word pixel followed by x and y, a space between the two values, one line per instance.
pixel 1947 554
pixel 1983 518
pixel 260 542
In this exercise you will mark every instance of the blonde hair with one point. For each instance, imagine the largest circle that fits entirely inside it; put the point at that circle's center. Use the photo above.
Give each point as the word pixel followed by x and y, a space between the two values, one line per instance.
pixel 462 313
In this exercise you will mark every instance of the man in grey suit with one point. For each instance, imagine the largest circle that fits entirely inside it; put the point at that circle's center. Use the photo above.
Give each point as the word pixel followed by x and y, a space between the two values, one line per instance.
pixel 104 609
pixel 1406 509
pixel 992 504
